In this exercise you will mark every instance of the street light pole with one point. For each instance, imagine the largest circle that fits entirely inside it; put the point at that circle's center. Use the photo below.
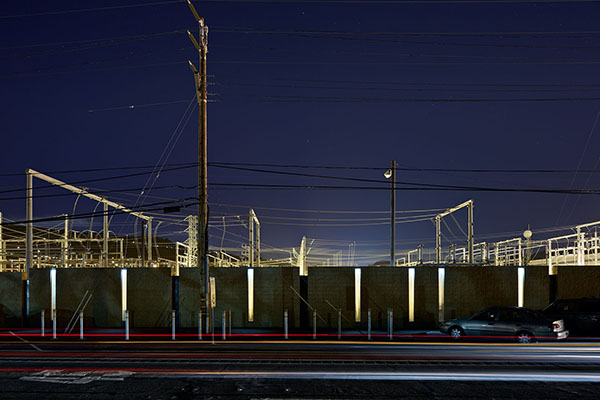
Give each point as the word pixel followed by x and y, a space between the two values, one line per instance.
pixel 391 175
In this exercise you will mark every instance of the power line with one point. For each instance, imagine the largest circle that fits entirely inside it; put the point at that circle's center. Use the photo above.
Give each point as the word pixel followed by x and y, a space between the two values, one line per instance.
pixel 101 179
pixel 497 34
pixel 444 84
pixel 69 171
pixel 331 99
pixel 428 187
pixel 415 89
pixel 107 40
pixel 315 166
pixel 324 211
pixel 85 10
pixel 102 213
pixel 418 184
pixel 402 1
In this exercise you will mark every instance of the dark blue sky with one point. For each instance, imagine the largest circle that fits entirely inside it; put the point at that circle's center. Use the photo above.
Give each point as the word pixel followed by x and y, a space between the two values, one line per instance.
pixel 309 83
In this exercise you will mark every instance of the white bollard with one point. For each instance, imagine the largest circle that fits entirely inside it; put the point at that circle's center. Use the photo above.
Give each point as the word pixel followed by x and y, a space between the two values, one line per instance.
pixel 81 325
pixel 43 320
pixel 126 324
pixel 200 325
pixel 369 324
pixel 224 326
pixel 339 324
pixel 387 317
pixel 285 324
pixel 391 322
pixel 314 324
pixel 53 324
pixel 173 325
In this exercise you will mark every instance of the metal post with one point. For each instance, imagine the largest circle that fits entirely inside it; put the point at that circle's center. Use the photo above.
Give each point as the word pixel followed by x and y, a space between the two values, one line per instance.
pixel 105 237
pixel 441 294
pixel 65 242
pixel 251 239
pixel 369 324
pixel 411 295
pixel 224 326
pixel 173 321
pixel 126 324
pixel 81 325
pixel 29 249
pixel 438 240
pixel 470 232
pixel 314 324
pixel 339 323
pixel 43 321
pixel 595 246
pixel 393 216
pixel 230 322
pixel 2 258
pixel 53 323
pixel 200 325
pixel 53 300
pixel 391 323
pixel 580 247
pixel 149 240
pixel 285 324
pixel 123 292
pixel 520 259
pixel 387 317
pixel 121 254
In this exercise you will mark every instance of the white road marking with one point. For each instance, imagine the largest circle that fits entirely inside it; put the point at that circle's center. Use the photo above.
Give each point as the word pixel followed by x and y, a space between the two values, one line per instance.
pixel 76 377
pixel 401 376
pixel 25 341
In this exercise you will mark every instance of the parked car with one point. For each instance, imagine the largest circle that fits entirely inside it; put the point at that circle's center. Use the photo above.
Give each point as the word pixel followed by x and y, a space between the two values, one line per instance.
pixel 509 322
pixel 581 316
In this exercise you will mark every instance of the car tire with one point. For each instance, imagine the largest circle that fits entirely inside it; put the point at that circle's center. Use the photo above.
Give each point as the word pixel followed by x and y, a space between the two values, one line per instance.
pixel 456 332
pixel 524 337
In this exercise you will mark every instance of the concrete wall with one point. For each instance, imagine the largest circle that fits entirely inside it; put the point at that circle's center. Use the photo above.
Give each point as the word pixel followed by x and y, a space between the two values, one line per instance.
pixel 470 289
pixel 576 282
pixel 537 287
pixel 272 294
pixel 149 297
pixel 383 288
pixel 10 298
pixel 467 290
pixel 190 296
pixel 426 296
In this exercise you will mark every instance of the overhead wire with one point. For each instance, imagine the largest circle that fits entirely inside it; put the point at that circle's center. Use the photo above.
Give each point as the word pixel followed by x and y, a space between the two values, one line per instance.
pixel 585 147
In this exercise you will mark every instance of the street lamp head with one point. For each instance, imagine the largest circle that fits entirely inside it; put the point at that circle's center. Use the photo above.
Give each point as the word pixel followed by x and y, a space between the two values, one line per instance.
pixel 388 173
pixel 527 234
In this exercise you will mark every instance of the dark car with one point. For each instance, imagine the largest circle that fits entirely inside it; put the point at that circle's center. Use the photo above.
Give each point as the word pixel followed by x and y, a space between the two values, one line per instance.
pixel 509 322
pixel 581 316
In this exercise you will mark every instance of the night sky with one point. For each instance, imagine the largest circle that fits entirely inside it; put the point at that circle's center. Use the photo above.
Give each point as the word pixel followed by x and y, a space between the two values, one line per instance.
pixel 332 84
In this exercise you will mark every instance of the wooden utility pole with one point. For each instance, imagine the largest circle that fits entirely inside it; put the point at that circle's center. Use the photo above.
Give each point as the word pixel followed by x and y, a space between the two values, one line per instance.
pixel 201 91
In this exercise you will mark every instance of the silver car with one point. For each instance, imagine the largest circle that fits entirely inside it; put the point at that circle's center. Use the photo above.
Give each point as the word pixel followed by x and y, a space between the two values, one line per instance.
pixel 519 323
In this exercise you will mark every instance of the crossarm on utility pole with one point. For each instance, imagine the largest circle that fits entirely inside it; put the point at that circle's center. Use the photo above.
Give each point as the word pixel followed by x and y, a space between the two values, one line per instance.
pixel 85 193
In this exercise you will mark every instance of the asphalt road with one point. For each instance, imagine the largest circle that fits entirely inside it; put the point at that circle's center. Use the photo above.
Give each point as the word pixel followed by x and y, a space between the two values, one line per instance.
pixel 185 369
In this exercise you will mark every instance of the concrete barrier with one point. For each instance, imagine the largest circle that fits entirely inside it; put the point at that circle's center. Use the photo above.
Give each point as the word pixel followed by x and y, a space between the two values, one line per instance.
pixel 467 289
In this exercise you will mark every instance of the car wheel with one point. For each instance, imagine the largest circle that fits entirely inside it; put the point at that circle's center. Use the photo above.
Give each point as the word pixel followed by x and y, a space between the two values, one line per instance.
pixel 524 337
pixel 456 332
